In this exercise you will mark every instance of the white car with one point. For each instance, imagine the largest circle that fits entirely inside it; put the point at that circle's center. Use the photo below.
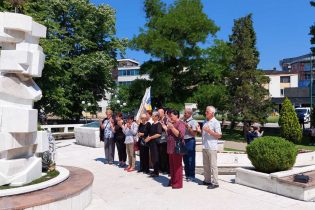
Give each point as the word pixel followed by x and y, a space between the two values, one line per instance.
pixel 303 113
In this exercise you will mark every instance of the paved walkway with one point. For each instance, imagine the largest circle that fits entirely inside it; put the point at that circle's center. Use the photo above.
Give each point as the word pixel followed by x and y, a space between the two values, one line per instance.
pixel 116 189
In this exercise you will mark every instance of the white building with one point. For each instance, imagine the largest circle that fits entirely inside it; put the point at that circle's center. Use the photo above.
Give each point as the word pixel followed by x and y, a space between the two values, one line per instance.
pixel 279 80
pixel 128 71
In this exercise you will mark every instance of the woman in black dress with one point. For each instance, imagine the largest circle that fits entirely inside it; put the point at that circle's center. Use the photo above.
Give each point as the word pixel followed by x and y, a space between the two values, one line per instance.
pixel 119 138
pixel 153 138
pixel 143 132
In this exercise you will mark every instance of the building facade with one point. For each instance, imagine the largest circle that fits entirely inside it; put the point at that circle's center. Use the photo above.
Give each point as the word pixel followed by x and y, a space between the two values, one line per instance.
pixel 127 71
pixel 279 81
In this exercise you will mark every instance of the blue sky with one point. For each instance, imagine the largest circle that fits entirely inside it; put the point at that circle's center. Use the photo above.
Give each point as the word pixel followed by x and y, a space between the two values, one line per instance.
pixel 282 26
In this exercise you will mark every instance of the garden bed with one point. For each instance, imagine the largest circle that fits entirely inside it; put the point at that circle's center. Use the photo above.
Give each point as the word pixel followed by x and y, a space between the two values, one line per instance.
pixel 46 177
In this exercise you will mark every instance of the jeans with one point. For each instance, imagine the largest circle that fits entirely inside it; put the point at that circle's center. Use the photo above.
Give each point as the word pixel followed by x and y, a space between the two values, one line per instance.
pixel 190 158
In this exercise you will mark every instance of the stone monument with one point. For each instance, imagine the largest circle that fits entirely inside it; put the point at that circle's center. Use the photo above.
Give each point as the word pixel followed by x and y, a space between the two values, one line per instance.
pixel 21 58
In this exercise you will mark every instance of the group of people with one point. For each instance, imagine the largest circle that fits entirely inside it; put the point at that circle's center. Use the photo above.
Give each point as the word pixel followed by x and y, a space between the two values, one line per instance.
pixel 155 135
pixel 254 132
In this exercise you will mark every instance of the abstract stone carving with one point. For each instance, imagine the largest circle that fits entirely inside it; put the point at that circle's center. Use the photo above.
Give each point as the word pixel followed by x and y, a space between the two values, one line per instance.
pixel 21 58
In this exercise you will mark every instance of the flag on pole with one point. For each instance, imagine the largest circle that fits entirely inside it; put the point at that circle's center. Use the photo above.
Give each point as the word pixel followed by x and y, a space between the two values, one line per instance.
pixel 145 103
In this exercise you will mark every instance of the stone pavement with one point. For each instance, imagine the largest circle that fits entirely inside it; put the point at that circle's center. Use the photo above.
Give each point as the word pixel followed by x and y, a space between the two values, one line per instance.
pixel 114 188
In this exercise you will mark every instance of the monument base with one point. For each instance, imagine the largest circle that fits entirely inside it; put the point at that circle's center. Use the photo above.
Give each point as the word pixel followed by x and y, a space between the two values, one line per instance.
pixel 18 172
pixel 75 193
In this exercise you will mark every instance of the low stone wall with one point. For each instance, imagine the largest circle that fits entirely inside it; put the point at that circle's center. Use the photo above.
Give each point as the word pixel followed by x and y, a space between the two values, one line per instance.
pixel 280 183
pixel 88 136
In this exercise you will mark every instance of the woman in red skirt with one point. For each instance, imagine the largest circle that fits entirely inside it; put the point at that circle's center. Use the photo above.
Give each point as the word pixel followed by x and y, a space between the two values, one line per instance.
pixel 175 130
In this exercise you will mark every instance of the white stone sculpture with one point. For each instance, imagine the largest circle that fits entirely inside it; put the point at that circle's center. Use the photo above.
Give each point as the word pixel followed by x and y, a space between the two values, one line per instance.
pixel 21 58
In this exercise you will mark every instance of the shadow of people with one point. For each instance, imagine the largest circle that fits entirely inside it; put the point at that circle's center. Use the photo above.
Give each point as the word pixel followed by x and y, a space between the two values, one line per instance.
pixel 162 180
pixel 100 160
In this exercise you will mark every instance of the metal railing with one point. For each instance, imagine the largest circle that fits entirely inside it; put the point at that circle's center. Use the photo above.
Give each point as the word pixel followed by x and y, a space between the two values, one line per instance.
pixel 61 131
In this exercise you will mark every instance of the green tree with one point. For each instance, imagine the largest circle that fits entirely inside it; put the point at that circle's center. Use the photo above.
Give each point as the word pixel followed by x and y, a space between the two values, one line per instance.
pixel 290 128
pixel 211 88
pixel 172 36
pixel 80 48
pixel 249 99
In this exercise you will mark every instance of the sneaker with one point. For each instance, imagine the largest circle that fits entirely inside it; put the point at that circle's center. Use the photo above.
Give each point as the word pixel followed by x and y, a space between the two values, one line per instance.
pixel 188 179
pixel 213 186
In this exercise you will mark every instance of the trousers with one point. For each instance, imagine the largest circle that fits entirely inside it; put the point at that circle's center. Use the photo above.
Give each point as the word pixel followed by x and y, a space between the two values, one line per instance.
pixel 210 166
pixel 121 148
pixel 109 147
pixel 131 155
pixel 190 158
pixel 176 170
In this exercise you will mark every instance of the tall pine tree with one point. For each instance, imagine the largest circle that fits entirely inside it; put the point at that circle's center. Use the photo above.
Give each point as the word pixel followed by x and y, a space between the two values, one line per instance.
pixel 290 128
pixel 249 99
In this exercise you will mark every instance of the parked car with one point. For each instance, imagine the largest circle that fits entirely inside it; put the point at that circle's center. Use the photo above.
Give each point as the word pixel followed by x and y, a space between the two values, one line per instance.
pixel 304 114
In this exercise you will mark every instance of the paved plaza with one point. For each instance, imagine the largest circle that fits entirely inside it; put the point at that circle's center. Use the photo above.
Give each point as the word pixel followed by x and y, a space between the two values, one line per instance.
pixel 114 188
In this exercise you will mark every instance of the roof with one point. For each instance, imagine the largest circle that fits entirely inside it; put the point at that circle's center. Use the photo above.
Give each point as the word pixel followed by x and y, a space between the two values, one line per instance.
pixel 127 59
pixel 276 72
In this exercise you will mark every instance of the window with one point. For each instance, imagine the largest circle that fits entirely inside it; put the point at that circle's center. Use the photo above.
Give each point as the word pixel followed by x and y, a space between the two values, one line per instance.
pixel 129 72
pixel 124 83
pixel 281 92
pixel 285 79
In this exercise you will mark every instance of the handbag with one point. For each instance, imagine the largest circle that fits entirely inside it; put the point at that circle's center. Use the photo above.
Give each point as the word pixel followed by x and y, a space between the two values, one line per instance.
pixel 136 146
pixel 180 148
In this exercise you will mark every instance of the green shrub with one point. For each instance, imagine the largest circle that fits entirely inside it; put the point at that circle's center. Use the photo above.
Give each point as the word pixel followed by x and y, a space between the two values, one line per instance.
pixel 271 154
pixel 290 128
pixel 273 119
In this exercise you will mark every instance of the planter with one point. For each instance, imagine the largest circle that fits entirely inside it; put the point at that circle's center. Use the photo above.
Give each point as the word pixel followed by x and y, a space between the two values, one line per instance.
pixel 280 183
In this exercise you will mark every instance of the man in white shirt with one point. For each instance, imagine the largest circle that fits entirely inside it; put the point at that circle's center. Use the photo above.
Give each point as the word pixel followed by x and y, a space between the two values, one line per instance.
pixel 211 132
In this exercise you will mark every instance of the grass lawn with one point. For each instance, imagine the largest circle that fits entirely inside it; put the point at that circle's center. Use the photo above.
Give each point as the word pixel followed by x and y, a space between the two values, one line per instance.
pixel 47 177
pixel 237 135
pixel 232 150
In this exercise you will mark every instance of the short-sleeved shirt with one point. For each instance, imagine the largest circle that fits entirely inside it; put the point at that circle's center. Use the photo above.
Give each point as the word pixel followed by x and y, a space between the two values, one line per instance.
pixel 156 128
pixel 171 138
pixel 119 134
pixel 193 124
pixel 108 133
pixel 209 141
pixel 144 128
